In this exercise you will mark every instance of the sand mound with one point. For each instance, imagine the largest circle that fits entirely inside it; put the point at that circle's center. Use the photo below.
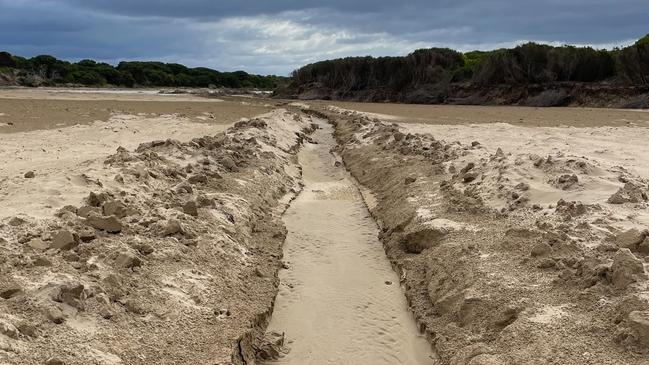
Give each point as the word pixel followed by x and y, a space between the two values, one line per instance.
pixel 150 266
pixel 507 257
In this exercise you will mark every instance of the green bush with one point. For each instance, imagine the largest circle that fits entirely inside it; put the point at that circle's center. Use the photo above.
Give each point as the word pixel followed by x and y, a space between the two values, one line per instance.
pixel 6 60
pixel 642 41
pixel 430 71
pixel 633 64
pixel 471 62
pixel 21 63
pixel 533 63
pixel 86 77
pixel 129 74
pixel 423 66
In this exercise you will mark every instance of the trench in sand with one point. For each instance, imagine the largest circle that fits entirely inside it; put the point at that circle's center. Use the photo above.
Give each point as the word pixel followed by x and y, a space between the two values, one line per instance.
pixel 339 301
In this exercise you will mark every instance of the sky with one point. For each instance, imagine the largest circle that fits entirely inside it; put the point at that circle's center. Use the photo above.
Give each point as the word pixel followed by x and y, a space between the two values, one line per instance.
pixel 278 36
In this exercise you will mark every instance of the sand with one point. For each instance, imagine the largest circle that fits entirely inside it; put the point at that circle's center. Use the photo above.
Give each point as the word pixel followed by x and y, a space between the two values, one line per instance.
pixel 68 162
pixel 516 244
pixel 141 228
pixel 607 151
pixel 23 110
pixel 339 300
pixel 95 94
pixel 515 115
pixel 54 134
pixel 129 229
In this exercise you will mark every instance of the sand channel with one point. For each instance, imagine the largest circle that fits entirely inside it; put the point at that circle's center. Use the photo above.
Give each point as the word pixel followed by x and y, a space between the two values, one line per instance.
pixel 339 301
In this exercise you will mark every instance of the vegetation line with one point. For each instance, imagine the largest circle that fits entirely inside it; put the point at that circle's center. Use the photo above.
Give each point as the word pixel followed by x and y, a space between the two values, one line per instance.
pixel 441 75
pixel 46 70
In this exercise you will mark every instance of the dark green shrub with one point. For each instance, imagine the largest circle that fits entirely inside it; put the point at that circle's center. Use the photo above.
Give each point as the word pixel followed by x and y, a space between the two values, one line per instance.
pixel 86 77
pixel 534 63
pixel 642 41
pixel 425 66
pixel 6 60
pixel 633 64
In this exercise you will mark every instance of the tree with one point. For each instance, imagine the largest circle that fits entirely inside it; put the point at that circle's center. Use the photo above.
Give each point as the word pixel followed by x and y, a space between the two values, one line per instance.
pixel 633 64
pixel 86 77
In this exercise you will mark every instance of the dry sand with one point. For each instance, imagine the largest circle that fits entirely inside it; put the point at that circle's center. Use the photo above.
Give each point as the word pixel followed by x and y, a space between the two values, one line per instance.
pixel 68 162
pixel 122 252
pixel 516 244
pixel 608 149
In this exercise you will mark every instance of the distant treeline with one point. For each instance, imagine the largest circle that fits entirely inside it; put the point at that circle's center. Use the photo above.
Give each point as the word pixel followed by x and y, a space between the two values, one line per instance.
pixel 49 71
pixel 440 71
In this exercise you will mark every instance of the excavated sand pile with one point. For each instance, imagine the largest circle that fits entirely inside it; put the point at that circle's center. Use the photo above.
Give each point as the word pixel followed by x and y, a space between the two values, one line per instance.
pixel 172 259
pixel 493 272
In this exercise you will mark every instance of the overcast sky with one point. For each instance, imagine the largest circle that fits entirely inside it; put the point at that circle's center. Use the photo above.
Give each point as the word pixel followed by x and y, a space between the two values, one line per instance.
pixel 277 36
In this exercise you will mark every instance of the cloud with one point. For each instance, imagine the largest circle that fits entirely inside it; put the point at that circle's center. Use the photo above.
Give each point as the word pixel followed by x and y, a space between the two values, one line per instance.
pixel 279 36
pixel 281 42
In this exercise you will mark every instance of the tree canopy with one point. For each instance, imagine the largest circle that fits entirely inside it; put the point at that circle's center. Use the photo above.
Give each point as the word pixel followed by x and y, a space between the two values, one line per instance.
pixel 526 64
pixel 642 41
pixel 129 74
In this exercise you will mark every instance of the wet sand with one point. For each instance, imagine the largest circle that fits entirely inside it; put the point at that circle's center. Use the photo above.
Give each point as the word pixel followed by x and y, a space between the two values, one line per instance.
pixel 520 116
pixel 23 110
pixel 340 301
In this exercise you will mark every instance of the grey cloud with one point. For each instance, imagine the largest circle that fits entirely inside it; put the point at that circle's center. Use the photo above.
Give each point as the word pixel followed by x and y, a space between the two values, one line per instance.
pixel 278 36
